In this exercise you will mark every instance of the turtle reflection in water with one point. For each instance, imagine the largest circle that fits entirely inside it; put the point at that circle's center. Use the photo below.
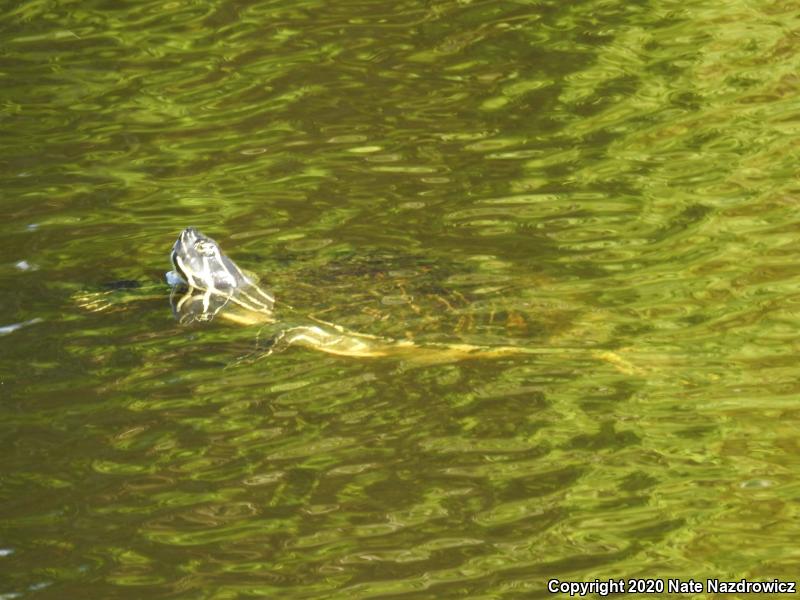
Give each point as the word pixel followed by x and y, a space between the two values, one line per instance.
pixel 207 284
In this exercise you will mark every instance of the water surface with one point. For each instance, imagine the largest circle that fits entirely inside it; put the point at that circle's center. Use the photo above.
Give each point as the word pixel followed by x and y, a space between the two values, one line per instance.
pixel 612 185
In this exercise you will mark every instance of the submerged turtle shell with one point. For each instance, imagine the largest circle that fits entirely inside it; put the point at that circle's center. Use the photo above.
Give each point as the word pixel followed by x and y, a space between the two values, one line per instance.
pixel 410 296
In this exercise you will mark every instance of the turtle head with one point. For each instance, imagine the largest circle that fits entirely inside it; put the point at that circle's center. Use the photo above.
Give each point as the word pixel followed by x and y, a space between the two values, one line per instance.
pixel 199 261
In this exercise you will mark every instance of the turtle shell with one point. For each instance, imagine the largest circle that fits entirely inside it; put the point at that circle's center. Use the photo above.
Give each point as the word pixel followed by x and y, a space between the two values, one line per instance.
pixel 409 297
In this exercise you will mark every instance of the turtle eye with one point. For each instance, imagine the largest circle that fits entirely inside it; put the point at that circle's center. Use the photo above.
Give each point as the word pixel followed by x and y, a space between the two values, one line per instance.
pixel 204 248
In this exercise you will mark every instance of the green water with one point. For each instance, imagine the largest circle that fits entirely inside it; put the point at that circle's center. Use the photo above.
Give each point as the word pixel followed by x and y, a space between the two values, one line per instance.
pixel 613 184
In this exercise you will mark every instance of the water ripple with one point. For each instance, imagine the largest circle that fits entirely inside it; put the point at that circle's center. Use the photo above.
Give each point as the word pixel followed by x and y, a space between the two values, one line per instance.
pixel 609 186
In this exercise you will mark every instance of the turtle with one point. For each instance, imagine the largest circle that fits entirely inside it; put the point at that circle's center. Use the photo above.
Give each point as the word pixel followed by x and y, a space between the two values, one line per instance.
pixel 207 284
